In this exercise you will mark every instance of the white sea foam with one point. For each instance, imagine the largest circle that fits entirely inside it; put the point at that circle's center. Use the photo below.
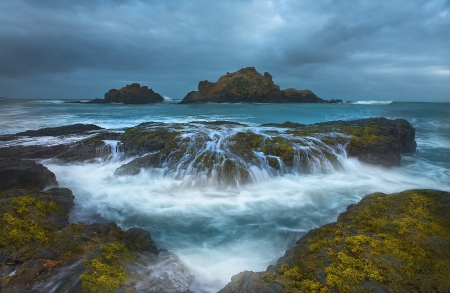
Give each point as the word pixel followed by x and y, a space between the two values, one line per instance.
pixel 373 102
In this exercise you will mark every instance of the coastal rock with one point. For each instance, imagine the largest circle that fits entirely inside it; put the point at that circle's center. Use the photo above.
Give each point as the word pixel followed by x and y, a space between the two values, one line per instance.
pixel 378 141
pixel 61 130
pixel 41 252
pixel 247 86
pixel 384 243
pixel 25 174
pixel 292 148
pixel 130 94
pixel 92 147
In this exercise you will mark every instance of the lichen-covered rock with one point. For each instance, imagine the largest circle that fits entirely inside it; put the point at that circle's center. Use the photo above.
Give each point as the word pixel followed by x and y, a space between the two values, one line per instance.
pixel 385 243
pixel 40 251
pixel 247 86
pixel 130 94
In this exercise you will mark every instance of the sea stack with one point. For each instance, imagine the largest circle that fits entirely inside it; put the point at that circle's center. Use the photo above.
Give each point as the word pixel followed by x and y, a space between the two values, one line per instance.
pixel 248 86
pixel 130 94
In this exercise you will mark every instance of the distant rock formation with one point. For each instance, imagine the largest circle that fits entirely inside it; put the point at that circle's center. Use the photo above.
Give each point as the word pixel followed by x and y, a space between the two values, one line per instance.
pixel 130 94
pixel 248 86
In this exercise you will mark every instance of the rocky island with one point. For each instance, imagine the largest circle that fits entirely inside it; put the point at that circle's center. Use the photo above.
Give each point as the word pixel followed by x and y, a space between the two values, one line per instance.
pixel 130 94
pixel 248 86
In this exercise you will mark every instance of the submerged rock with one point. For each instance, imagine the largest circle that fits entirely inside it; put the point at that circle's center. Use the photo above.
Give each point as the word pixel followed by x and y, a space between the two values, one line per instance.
pixel 386 243
pixel 248 86
pixel 130 94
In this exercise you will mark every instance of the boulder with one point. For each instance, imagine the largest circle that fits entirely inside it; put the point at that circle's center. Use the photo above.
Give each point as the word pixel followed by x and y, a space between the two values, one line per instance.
pixel 247 86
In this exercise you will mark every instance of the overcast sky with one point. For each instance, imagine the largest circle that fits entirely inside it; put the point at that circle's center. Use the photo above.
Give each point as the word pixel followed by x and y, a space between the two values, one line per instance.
pixel 351 50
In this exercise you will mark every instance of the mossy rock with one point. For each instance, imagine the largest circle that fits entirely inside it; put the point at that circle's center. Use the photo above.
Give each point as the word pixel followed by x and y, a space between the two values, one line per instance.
pixel 36 241
pixel 385 243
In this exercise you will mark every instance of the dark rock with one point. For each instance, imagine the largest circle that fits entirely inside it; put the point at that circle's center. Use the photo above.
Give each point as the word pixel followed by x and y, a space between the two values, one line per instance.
pixel 33 151
pixel 61 130
pixel 89 148
pixel 251 282
pixel 130 94
pixel 247 86
pixel 25 174
pixel 137 239
pixel 64 197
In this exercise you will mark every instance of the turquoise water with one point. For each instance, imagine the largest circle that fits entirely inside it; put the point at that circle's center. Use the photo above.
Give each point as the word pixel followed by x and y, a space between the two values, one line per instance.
pixel 218 231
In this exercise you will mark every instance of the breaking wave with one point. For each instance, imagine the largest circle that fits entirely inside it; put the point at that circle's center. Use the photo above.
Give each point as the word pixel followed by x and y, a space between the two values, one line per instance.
pixel 373 102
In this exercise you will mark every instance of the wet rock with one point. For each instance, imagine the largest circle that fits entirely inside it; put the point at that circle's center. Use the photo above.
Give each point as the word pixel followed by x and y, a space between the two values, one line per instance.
pixel 61 130
pixel 385 243
pixel 87 149
pixel 25 174
pixel 33 151
pixel 137 239
pixel 247 86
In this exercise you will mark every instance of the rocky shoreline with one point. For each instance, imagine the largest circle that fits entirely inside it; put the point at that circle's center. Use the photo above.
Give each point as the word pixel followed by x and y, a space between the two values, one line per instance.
pixel 385 242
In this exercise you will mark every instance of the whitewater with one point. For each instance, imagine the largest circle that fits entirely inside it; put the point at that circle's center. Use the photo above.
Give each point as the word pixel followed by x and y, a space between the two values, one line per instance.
pixel 218 230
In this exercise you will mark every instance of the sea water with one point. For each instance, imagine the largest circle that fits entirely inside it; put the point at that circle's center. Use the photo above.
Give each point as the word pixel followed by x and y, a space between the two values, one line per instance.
pixel 220 230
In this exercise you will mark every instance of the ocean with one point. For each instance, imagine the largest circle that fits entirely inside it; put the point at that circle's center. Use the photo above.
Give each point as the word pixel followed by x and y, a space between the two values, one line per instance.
pixel 219 230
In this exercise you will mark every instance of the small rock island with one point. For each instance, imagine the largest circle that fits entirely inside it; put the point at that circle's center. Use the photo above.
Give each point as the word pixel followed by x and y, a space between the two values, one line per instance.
pixel 130 94
pixel 248 86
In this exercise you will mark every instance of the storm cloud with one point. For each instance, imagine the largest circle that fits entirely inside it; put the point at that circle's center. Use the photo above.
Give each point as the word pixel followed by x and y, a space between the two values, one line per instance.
pixel 358 50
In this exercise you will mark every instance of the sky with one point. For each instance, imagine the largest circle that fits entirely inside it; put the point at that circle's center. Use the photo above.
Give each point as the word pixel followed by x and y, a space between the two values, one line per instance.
pixel 351 50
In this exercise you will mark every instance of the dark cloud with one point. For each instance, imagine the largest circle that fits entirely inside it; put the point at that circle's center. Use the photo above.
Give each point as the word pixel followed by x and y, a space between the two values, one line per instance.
pixel 363 49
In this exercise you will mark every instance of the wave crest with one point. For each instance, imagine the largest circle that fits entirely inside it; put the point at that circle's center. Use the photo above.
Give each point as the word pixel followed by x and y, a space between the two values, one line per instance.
pixel 373 102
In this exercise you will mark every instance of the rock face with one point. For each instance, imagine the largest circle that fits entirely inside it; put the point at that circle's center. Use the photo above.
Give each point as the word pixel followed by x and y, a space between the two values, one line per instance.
pixel 131 94
pixel 385 243
pixel 248 86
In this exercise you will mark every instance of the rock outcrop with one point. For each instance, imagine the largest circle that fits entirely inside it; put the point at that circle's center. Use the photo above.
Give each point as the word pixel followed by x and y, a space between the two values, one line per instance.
pixel 293 148
pixel 385 243
pixel 91 146
pixel 248 86
pixel 130 94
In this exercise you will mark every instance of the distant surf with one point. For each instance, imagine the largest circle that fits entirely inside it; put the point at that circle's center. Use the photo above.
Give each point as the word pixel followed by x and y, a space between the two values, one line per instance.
pixel 373 102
